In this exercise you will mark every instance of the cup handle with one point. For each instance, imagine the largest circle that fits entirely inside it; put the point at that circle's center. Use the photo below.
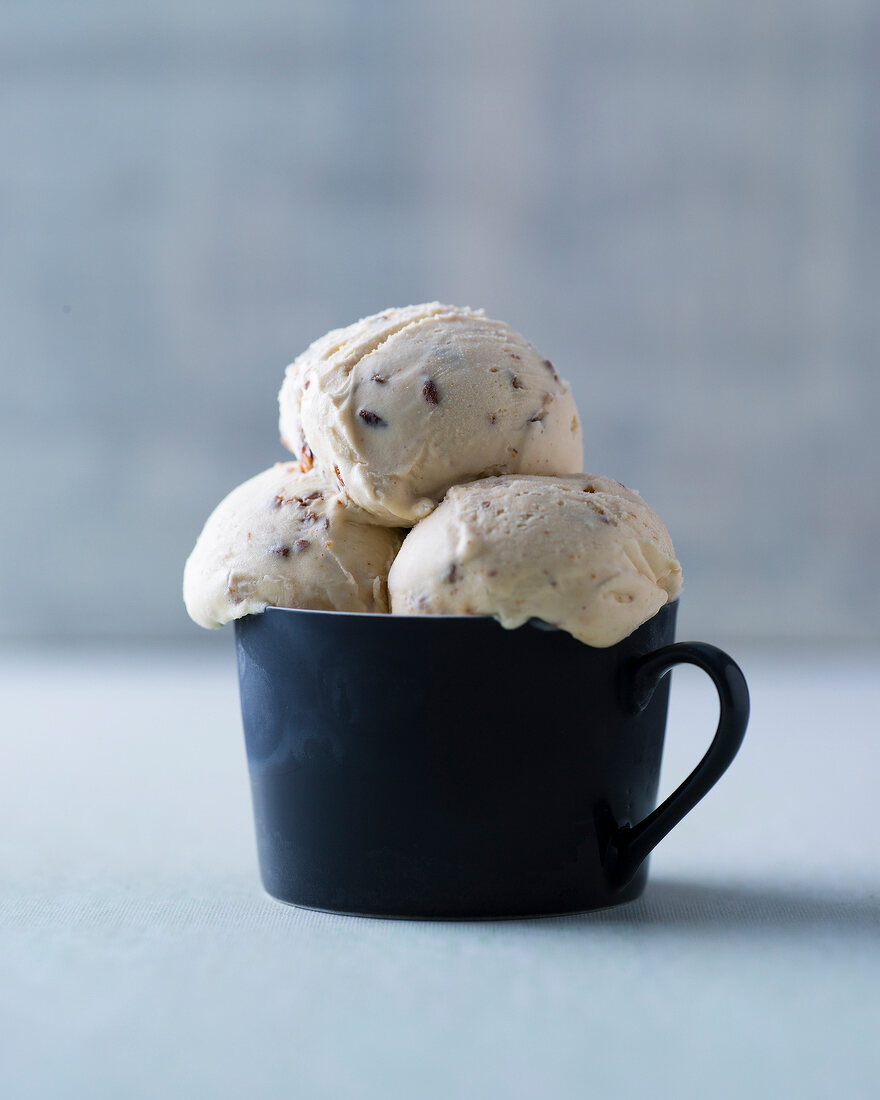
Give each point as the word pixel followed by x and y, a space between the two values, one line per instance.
pixel 631 844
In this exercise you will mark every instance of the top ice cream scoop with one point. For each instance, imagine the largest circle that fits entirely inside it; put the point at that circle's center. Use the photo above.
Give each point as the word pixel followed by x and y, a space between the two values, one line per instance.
pixel 583 553
pixel 402 405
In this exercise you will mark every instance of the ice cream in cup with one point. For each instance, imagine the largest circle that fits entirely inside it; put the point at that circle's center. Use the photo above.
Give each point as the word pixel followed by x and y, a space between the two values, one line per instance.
pixel 452 645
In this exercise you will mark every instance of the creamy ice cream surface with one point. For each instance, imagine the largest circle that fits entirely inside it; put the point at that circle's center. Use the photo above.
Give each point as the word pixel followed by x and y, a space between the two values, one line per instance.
pixel 582 553
pixel 402 405
pixel 287 539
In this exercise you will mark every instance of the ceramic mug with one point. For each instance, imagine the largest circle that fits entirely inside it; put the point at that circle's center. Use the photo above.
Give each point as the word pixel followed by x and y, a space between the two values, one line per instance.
pixel 444 767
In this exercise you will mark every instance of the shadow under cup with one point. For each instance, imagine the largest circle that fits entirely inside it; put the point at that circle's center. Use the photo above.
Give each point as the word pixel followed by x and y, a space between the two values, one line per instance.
pixel 444 767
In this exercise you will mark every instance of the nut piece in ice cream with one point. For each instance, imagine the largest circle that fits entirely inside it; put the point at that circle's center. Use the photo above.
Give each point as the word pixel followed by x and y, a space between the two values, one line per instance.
pixel 287 539
pixel 583 553
pixel 401 405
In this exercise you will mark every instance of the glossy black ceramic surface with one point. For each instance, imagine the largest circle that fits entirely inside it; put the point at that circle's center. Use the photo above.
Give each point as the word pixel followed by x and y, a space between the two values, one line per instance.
pixel 449 768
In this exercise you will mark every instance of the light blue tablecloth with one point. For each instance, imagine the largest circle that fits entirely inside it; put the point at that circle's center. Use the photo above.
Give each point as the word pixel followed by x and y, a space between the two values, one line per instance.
pixel 139 957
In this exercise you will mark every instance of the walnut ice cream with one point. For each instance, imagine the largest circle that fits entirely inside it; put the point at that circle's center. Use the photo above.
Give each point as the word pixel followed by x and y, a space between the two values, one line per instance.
pixel 402 405
pixel 582 553
pixel 287 539
pixel 438 419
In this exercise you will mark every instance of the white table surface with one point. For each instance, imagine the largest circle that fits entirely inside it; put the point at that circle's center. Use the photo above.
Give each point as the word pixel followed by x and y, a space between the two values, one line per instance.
pixel 139 957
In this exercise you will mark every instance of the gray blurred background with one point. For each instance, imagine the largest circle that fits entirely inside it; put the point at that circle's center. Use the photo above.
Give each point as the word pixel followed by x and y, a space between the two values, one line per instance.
pixel 676 202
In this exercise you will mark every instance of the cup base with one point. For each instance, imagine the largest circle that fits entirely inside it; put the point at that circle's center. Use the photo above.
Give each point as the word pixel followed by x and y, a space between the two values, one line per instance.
pixel 476 908
pixel 458 920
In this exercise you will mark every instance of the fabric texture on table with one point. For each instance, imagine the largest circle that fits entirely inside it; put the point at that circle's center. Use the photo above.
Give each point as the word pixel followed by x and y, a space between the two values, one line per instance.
pixel 140 958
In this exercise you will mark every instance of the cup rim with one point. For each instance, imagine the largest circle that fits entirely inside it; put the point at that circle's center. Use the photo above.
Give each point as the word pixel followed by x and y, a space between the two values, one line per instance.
pixel 539 624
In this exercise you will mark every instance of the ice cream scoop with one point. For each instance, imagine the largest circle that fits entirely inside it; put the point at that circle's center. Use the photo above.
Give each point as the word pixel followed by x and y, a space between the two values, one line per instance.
pixel 583 553
pixel 287 539
pixel 402 405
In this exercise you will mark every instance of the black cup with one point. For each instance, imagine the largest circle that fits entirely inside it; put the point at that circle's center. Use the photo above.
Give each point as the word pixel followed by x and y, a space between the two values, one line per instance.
pixel 444 767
